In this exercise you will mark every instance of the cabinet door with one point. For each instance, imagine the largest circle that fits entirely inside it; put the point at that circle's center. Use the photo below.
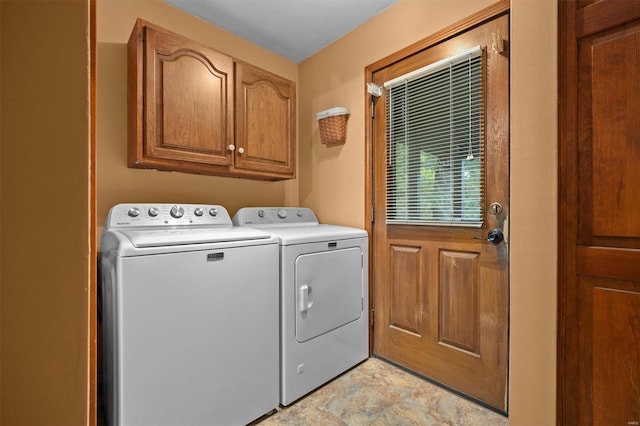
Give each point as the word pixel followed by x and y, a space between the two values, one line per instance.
pixel 184 97
pixel 265 122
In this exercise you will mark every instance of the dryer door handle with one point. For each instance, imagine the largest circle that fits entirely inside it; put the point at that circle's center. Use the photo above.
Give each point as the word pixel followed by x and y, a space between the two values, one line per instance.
pixel 305 302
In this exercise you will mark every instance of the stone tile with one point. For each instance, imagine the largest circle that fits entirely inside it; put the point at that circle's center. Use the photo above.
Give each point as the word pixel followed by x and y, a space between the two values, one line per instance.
pixel 377 393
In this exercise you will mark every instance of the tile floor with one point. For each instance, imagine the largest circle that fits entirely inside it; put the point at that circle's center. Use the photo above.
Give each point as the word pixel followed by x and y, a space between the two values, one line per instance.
pixel 378 393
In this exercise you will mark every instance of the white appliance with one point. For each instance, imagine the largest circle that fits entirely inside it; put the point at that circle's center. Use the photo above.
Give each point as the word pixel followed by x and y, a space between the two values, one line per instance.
pixel 324 324
pixel 190 317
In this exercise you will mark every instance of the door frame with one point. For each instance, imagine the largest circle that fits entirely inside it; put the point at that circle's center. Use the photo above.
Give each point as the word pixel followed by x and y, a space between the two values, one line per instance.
pixel 92 413
pixel 469 22
pixel 566 66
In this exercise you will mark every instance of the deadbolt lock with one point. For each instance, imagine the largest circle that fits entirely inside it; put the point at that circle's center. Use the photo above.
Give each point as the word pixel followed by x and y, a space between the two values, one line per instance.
pixel 495 209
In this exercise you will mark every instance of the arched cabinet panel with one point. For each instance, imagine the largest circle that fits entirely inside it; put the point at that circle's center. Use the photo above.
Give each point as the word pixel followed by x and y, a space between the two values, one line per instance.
pixel 265 121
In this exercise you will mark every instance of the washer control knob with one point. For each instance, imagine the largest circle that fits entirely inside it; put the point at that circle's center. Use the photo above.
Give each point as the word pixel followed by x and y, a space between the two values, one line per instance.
pixel 260 213
pixel 282 213
pixel 153 212
pixel 213 212
pixel 134 212
pixel 300 213
pixel 198 211
pixel 177 211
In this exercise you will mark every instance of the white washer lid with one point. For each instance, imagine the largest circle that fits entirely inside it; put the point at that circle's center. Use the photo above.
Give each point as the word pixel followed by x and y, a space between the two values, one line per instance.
pixel 171 237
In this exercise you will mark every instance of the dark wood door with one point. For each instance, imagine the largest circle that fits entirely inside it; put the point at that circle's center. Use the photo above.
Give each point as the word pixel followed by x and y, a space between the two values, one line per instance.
pixel 599 298
pixel 441 292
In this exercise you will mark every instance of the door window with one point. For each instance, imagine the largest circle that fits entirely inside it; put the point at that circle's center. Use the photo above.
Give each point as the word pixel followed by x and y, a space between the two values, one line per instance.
pixel 435 143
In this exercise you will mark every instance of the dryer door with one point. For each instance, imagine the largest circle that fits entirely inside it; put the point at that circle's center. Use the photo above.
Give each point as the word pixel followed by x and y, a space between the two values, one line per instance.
pixel 329 291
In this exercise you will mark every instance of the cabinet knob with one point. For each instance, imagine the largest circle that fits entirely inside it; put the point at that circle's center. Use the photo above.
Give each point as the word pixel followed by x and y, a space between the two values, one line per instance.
pixel 231 147
pixel 240 150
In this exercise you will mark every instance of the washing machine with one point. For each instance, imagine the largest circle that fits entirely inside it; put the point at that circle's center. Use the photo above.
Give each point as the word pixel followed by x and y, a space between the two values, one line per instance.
pixel 190 317
pixel 324 324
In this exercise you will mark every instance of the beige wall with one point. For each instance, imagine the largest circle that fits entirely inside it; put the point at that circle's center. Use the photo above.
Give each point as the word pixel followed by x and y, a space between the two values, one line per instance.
pixel 332 179
pixel 44 199
pixel 534 215
pixel 117 183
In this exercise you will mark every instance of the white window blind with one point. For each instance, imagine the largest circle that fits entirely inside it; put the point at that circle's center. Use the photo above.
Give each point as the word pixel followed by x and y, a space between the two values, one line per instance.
pixel 435 143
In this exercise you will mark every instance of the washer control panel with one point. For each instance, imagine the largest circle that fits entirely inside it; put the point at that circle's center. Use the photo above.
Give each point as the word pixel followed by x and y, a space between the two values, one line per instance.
pixel 155 215
pixel 251 216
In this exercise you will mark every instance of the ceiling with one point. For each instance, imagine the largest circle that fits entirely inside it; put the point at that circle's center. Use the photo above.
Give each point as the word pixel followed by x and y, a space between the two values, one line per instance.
pixel 294 29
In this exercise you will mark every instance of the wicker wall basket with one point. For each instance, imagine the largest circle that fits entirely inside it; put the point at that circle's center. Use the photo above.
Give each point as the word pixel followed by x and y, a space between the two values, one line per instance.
pixel 333 125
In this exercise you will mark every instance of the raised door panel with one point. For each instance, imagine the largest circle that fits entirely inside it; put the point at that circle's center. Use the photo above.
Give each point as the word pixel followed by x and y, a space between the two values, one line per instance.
pixel 459 296
pixel 184 96
pixel 405 313
pixel 608 130
pixel 616 356
pixel 607 391
pixel 616 147
pixel 265 122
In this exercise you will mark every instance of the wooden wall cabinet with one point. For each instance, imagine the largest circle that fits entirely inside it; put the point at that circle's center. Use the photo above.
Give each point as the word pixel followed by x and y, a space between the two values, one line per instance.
pixel 188 111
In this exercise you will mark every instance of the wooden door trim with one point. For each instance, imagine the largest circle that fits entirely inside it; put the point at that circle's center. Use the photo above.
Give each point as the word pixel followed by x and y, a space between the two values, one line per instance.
pixel 619 264
pixel 478 18
pixel 599 16
pixel 493 11
pixel 567 83
pixel 93 244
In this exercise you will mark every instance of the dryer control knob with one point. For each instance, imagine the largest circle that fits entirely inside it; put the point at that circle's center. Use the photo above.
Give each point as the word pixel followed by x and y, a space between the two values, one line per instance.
pixel 153 212
pixel 134 212
pixel 282 213
pixel 300 213
pixel 260 213
pixel 177 211
pixel 213 212
pixel 198 211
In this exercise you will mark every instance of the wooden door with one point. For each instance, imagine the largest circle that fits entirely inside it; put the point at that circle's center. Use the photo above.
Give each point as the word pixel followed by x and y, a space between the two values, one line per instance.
pixel 599 292
pixel 265 122
pixel 441 292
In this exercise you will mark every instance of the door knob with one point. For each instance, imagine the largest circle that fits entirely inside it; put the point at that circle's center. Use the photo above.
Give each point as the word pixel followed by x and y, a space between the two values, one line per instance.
pixel 495 237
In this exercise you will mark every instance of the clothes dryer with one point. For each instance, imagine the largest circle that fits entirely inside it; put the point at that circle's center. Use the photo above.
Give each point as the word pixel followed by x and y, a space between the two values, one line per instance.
pixel 190 332
pixel 324 326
